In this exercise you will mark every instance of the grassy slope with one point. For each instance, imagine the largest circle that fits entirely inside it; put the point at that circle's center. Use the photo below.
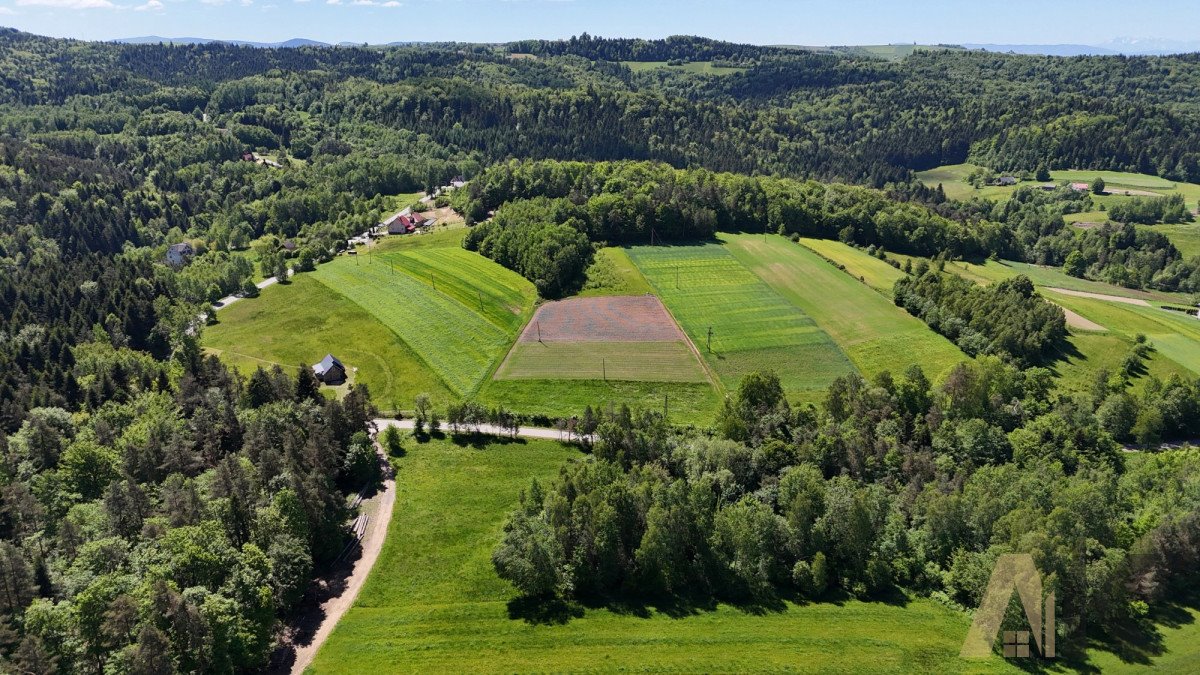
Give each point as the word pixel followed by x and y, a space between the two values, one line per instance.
pixel 458 342
pixel 871 270
pixel 1089 352
pixel 433 603
pixel 754 327
pixel 1175 336
pixel 876 334
pixel 302 321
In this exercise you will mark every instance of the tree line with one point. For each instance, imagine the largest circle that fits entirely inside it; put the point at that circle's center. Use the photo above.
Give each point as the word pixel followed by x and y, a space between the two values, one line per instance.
pixel 895 483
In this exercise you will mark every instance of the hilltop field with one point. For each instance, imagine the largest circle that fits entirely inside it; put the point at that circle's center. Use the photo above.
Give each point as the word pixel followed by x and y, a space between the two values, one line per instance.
pixel 677 326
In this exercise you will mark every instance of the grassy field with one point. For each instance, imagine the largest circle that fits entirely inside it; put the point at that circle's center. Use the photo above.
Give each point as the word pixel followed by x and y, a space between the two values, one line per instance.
pixel 753 326
pixel 1185 236
pixel 434 604
pixel 871 270
pixel 687 402
pixel 460 343
pixel 951 178
pixel 694 67
pixel 1051 277
pixel 498 295
pixel 613 273
pixel 1175 336
pixel 875 333
pixel 630 361
pixel 302 321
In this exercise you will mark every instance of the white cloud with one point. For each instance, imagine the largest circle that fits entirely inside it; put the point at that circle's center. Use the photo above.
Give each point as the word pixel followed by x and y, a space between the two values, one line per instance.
pixel 68 4
pixel 150 6
pixel 7 11
pixel 390 3
pixel 247 3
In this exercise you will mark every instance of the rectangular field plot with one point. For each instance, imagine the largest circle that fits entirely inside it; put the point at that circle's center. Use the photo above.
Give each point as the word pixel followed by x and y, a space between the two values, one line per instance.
pixel 753 326
pixel 873 332
pixel 632 361
pixel 631 338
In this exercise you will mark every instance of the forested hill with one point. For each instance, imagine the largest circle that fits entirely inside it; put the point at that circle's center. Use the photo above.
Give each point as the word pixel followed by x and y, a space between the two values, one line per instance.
pixel 796 113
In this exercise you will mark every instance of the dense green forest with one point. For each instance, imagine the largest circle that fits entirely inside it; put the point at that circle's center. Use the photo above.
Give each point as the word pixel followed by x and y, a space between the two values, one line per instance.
pixel 160 512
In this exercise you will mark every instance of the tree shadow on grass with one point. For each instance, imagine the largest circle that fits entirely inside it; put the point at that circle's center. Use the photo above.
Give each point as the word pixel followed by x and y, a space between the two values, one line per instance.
pixel 555 610
pixel 480 441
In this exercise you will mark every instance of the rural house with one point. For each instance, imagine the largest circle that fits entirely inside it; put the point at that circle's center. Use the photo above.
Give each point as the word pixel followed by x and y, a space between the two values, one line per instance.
pixel 1007 180
pixel 179 255
pixel 330 370
pixel 1081 187
pixel 406 222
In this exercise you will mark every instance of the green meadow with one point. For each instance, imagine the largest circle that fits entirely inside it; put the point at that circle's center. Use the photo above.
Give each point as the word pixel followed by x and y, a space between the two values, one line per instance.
pixel 300 322
pixel 443 326
pixel 693 403
pixel 693 67
pixel 434 604
pixel 875 333
pixel 870 270
pixel 631 361
pixel 753 326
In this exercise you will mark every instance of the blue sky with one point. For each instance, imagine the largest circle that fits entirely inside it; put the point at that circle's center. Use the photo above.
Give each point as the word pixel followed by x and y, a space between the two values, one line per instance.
pixel 756 21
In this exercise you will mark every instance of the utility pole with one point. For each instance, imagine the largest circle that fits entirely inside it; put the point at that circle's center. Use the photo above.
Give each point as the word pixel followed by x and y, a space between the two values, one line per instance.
pixel 604 369
pixel 433 280
pixel 710 339
pixel 666 406
pixel 539 328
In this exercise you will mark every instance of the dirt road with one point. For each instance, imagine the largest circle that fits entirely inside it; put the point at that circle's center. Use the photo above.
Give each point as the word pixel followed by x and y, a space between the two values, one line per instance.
pixel 336 595
pixel 1100 296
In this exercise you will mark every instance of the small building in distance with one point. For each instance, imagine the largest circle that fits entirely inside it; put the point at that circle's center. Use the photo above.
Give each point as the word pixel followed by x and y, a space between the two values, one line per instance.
pixel 1081 187
pixel 180 254
pixel 1007 180
pixel 247 156
pixel 330 370
pixel 457 182
pixel 288 245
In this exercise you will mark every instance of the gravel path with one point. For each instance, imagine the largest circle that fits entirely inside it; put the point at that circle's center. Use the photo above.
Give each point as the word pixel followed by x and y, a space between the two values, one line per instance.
pixel 1100 296
pixel 311 632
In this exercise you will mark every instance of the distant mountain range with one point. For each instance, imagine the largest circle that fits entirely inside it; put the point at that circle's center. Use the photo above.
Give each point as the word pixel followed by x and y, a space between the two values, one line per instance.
pixel 155 39
pixel 1126 46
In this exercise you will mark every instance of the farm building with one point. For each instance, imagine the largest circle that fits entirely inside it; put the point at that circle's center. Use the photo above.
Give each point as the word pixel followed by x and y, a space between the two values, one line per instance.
pixel 1081 187
pixel 288 245
pixel 1007 180
pixel 330 370
pixel 406 222
pixel 179 255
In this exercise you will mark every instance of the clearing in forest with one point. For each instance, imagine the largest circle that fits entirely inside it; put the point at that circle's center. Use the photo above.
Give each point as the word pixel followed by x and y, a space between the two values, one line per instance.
pixel 629 338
